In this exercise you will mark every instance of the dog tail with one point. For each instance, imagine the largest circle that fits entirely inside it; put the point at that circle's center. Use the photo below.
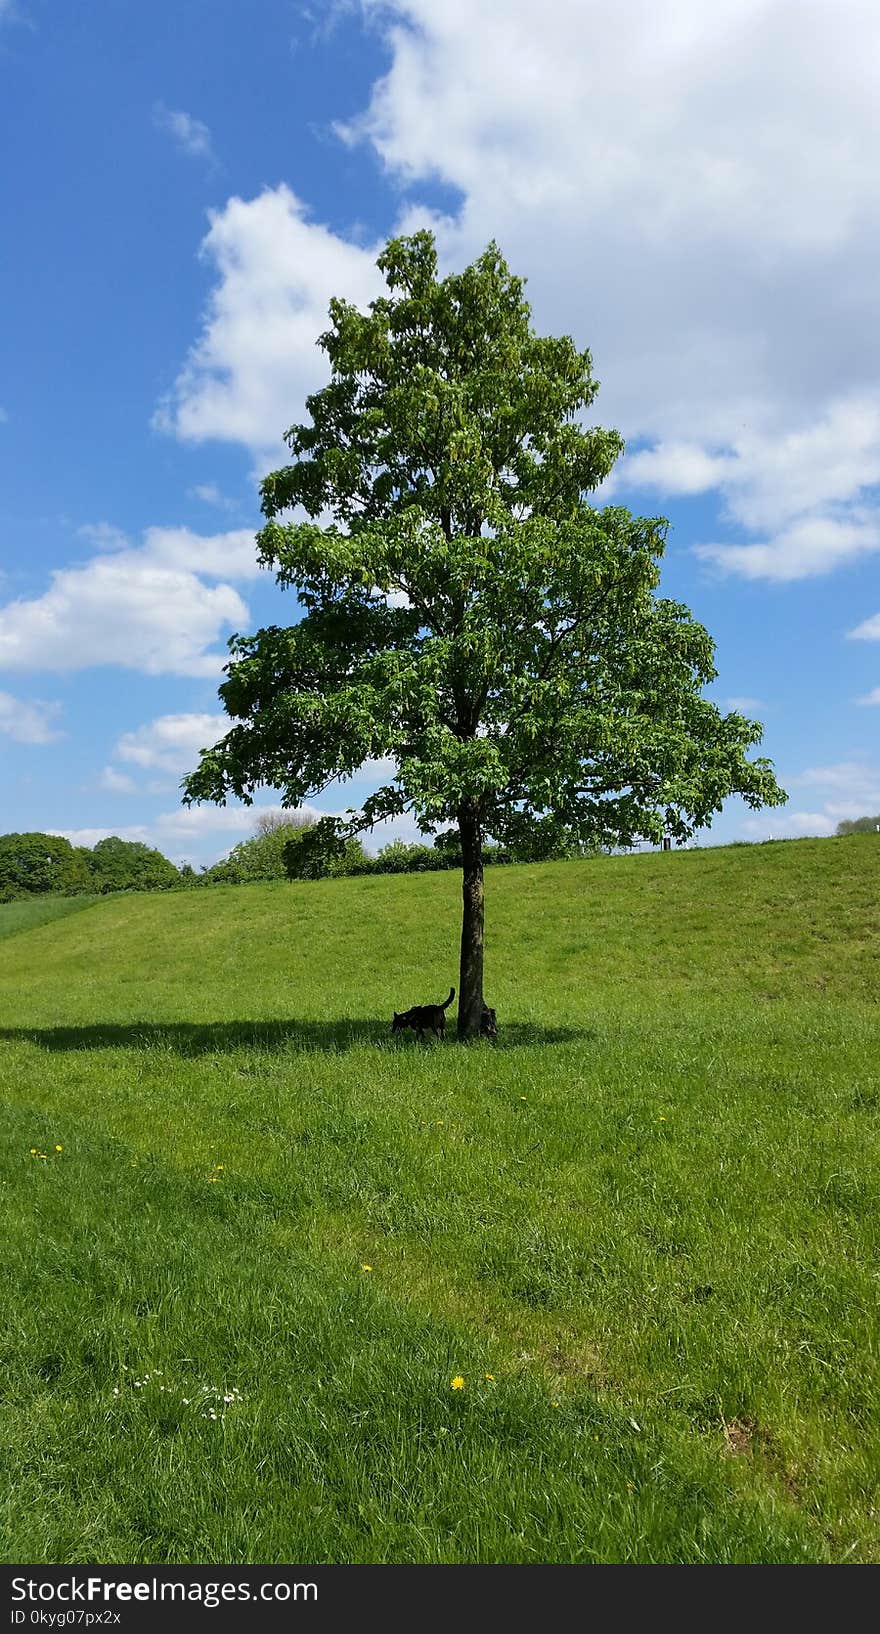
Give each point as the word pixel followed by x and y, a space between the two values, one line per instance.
pixel 449 1000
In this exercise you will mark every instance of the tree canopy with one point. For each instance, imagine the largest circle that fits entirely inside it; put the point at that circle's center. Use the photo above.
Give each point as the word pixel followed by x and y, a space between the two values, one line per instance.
pixel 44 864
pixel 128 865
pixel 858 825
pixel 36 864
pixel 468 616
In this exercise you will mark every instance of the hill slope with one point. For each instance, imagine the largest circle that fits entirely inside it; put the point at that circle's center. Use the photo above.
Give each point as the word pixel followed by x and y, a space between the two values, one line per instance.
pixel 642 1230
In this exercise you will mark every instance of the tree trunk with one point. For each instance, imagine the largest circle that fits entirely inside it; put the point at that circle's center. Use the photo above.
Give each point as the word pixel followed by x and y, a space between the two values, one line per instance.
pixel 470 985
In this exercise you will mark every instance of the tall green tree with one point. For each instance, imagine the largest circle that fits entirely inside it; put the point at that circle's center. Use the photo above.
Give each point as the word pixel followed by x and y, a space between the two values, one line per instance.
pixel 36 864
pixel 129 865
pixel 466 612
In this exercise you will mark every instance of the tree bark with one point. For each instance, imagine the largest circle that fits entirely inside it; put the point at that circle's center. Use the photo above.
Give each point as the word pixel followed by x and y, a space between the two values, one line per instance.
pixel 470 984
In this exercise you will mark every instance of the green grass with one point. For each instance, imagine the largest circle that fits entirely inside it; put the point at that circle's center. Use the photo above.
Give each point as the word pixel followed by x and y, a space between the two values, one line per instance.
pixel 651 1213
pixel 38 910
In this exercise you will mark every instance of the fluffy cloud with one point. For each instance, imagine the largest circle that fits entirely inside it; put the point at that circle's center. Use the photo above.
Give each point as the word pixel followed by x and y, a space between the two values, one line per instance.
pixel 810 546
pixel 144 608
pixel 189 832
pixel 27 722
pixel 852 788
pixel 789 825
pixel 172 742
pixel 116 782
pixel 90 836
pixel 247 376
pixel 191 135
pixel 855 780
pixel 843 789
pixel 867 631
pixel 210 494
pixel 216 556
pixel 692 192
pixel 811 486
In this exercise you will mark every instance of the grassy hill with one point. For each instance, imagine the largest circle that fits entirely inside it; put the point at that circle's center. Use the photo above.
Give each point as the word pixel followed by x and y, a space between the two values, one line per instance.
pixel 255 1244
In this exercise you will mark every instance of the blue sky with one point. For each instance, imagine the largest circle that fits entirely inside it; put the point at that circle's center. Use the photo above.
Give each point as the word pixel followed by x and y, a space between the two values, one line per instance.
pixel 690 191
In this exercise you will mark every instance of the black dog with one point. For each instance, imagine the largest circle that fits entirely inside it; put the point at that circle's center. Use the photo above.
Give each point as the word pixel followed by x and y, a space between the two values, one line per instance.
pixel 422 1016
pixel 433 1016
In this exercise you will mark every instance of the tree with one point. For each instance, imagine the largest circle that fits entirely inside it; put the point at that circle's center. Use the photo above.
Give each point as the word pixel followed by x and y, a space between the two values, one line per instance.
pixel 316 853
pixel 35 864
pixel 129 865
pixel 269 821
pixel 858 825
pixel 262 857
pixel 467 613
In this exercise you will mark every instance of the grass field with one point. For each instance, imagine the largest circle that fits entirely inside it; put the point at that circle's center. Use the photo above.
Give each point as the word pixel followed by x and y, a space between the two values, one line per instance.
pixel 253 1245
pixel 38 910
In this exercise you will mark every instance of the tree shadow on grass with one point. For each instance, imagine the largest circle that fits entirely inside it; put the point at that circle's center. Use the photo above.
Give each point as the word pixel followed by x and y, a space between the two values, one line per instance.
pixel 191 1038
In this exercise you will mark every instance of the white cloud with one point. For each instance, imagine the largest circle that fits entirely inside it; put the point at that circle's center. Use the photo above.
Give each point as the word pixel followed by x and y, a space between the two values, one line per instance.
pixel 811 486
pixel 872 697
pixel 143 608
pixel 29 722
pixel 867 631
pixel 90 836
pixel 811 546
pixel 842 774
pixel 104 536
pixel 789 825
pixel 691 191
pixel 187 832
pixel 210 494
pixel 116 782
pixel 124 610
pixel 247 377
pixel 191 135
pixel 842 789
pixel 215 556
pixel 172 742
pixel 852 786
pixel 212 820
pixel 744 706
pixel 672 468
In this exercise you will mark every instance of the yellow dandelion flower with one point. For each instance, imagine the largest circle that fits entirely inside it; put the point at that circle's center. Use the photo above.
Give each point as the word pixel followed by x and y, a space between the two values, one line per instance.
pixel 457 1383
pixel 366 1267
pixel 213 1180
pixel 489 1376
pixel 554 1404
pixel 33 1151
pixel 59 1148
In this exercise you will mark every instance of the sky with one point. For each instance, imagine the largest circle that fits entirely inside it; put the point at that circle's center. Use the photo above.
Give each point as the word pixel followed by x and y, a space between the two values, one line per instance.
pixel 690 191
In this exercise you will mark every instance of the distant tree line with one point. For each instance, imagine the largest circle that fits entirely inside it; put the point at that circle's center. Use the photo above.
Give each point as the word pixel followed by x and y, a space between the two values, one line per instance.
pixel 43 864
pixel 297 847
pixel 859 825
pixel 289 845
